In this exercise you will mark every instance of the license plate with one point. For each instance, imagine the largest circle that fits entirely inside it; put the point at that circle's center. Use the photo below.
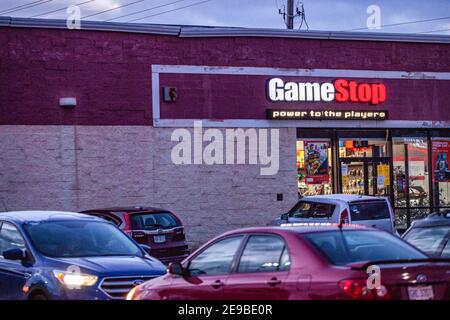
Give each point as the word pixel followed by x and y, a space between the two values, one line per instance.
pixel 159 239
pixel 420 293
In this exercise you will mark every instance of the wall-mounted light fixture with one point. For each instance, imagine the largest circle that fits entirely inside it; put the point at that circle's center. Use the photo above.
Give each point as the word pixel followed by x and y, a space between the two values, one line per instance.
pixel 68 102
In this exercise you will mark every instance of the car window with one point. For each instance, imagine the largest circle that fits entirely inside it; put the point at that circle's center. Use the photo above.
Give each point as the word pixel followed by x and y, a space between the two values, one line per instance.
pixel 217 258
pixel 115 221
pixel 110 218
pixel 80 238
pixel 316 210
pixel 285 261
pixel 370 210
pixel 10 238
pixel 446 252
pixel 153 221
pixel 428 240
pixel 263 253
pixel 344 247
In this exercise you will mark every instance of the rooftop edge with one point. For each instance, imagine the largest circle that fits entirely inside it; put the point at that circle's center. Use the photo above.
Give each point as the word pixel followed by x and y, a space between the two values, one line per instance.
pixel 204 31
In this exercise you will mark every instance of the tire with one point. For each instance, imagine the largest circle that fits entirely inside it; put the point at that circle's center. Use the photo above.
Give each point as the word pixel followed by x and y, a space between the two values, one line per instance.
pixel 39 296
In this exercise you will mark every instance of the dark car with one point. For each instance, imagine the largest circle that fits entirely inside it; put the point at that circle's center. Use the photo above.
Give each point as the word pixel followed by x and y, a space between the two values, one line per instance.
pixel 157 228
pixel 63 255
pixel 431 235
pixel 303 261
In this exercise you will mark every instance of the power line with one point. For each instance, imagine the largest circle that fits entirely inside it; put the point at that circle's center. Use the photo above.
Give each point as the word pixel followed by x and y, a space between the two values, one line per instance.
pixel 403 23
pixel 62 9
pixel 163 12
pixel 23 7
pixel 149 9
pixel 115 8
pixel 302 15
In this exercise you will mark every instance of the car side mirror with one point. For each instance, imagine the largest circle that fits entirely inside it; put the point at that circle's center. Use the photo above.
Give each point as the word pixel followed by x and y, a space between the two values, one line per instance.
pixel 285 216
pixel 15 254
pixel 176 268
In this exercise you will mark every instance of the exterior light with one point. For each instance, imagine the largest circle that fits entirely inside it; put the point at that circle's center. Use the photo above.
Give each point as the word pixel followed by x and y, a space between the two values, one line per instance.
pixel 68 102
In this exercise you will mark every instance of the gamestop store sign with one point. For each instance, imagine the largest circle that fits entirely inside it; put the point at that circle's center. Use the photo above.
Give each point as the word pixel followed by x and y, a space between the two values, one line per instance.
pixel 339 91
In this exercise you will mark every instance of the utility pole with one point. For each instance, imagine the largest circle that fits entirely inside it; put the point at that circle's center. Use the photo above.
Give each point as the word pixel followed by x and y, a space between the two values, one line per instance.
pixel 290 14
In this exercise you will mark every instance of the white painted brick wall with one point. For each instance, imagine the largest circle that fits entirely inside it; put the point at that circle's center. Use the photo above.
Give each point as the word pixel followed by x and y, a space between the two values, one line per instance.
pixel 82 167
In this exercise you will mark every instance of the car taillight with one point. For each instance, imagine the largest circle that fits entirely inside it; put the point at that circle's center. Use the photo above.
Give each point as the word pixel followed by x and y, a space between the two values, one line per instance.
pixel 357 289
pixel 127 227
pixel 344 217
pixel 179 235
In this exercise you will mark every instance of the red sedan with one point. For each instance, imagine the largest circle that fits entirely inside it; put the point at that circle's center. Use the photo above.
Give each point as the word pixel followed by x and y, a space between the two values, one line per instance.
pixel 303 262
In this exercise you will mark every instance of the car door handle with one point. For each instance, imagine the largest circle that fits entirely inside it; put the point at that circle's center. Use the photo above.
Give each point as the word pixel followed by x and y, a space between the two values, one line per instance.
pixel 274 282
pixel 217 284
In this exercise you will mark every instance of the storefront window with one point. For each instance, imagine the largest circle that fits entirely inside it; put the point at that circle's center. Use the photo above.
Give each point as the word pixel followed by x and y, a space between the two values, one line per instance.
pixel 363 148
pixel 399 167
pixel 314 167
pixel 411 170
pixel 415 150
pixel 411 178
pixel 365 166
pixel 441 172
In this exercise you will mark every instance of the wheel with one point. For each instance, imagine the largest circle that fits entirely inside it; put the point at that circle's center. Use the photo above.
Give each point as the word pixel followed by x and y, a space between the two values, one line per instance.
pixel 39 296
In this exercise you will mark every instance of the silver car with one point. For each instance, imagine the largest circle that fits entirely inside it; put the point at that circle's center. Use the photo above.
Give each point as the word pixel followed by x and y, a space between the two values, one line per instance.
pixel 364 210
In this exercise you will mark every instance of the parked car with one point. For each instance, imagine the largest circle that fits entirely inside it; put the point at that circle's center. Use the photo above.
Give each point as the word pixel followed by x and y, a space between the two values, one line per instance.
pixel 431 235
pixel 157 228
pixel 365 210
pixel 302 261
pixel 64 255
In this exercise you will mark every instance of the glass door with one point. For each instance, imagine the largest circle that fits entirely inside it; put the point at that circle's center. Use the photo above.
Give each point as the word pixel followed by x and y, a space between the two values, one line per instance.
pixel 379 178
pixel 365 176
pixel 353 177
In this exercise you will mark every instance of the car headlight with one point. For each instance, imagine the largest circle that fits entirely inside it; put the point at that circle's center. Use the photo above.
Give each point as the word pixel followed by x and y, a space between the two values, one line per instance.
pixel 75 280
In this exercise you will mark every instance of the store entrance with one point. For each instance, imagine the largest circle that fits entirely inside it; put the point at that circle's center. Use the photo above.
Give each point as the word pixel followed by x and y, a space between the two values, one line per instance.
pixel 365 176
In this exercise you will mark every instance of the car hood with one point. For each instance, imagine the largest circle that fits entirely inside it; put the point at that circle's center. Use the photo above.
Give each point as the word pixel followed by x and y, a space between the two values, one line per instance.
pixel 114 265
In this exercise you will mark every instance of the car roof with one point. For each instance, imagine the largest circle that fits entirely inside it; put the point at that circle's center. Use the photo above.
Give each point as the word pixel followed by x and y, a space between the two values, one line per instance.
pixel 342 197
pixel 42 215
pixel 301 228
pixel 433 220
pixel 129 209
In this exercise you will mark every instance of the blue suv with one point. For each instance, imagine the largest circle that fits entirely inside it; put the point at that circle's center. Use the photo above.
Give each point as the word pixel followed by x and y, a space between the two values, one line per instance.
pixel 64 255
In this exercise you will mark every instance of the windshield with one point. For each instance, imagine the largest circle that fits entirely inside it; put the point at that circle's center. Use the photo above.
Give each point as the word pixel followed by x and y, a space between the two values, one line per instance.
pixel 70 239
pixel 372 210
pixel 314 210
pixel 153 221
pixel 342 248
pixel 429 240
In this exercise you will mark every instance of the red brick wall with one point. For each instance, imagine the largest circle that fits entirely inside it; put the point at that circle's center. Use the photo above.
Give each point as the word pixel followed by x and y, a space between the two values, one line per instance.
pixel 110 74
